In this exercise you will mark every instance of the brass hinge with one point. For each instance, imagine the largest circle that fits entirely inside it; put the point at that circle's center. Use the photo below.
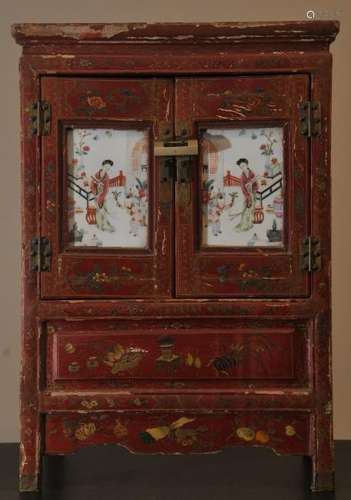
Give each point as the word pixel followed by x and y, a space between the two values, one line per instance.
pixel 40 118
pixel 310 118
pixel 40 254
pixel 311 257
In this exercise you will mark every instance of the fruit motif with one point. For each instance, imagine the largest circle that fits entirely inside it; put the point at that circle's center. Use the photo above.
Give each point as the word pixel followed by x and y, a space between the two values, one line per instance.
pixel 290 431
pixel 191 360
pixel 245 433
pixel 69 348
pixel 262 437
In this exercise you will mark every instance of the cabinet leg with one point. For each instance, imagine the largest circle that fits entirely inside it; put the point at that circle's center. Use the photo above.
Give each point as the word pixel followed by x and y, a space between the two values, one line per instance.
pixel 30 465
pixel 322 461
pixel 318 480
pixel 322 481
pixel 323 465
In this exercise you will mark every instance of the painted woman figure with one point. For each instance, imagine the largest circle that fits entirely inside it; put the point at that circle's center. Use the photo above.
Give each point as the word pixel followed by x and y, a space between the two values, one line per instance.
pixel 249 187
pixel 99 186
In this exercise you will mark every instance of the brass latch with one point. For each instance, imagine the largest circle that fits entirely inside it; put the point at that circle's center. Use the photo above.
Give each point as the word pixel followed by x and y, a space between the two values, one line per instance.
pixel 181 147
pixel 311 258
pixel 40 254
pixel 175 163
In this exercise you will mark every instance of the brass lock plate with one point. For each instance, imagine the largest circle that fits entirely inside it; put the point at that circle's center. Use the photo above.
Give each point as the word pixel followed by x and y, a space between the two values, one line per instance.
pixel 184 147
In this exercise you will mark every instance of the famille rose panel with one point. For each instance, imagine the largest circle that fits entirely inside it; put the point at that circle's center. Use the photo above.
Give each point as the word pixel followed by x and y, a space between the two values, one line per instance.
pixel 107 187
pixel 243 187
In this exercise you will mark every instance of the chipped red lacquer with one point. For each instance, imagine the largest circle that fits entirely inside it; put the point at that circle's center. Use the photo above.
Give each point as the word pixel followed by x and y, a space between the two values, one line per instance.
pixel 244 372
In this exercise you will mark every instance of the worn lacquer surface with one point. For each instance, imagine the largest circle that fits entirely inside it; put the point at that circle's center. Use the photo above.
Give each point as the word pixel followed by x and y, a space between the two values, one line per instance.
pixel 153 329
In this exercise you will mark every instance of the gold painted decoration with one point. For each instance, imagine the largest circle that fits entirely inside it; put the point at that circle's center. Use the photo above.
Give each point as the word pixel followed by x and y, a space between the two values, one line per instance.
pixel 290 431
pixel 120 430
pixel 193 360
pixel 170 360
pixel 245 433
pixel 92 362
pixel 237 354
pixel 262 437
pixel 70 348
pixel 85 431
pixel 153 434
pixel 73 367
pixel 89 404
pixel 120 359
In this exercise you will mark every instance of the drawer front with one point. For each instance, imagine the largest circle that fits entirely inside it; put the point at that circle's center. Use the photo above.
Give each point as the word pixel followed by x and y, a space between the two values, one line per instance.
pixel 230 352
pixel 179 433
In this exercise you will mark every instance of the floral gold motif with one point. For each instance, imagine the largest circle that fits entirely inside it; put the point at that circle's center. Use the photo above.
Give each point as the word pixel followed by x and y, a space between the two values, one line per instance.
pixel 89 404
pixel 96 101
pixel 121 359
pixel 85 431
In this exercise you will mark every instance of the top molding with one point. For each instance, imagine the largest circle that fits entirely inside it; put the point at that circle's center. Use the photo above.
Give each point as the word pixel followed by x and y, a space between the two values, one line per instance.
pixel 176 33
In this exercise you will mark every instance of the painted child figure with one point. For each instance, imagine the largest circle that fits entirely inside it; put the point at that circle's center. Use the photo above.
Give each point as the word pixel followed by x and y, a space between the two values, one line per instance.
pixel 136 220
pixel 216 207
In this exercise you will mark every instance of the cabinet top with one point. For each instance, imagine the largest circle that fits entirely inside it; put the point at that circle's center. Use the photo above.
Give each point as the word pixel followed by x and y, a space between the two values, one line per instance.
pixel 177 33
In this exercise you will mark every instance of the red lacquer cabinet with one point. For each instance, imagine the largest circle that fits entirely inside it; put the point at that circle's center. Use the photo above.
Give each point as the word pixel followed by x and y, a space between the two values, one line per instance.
pixel 176 239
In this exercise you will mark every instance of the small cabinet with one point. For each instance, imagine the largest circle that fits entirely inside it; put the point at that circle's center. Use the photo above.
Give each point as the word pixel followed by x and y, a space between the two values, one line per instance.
pixel 176 239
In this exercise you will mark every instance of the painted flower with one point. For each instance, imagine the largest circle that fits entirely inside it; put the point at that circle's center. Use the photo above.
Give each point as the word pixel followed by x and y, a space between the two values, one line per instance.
pixel 245 433
pixel 96 101
pixel 116 354
pixel 290 431
pixel 89 404
pixel 86 148
pixel 263 146
pixel 262 437
pixel 84 431
pixel 75 161
pixel 274 161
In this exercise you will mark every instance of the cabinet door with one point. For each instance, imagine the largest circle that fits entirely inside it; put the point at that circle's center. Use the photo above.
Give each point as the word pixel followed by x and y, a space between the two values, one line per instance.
pixel 100 201
pixel 242 217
